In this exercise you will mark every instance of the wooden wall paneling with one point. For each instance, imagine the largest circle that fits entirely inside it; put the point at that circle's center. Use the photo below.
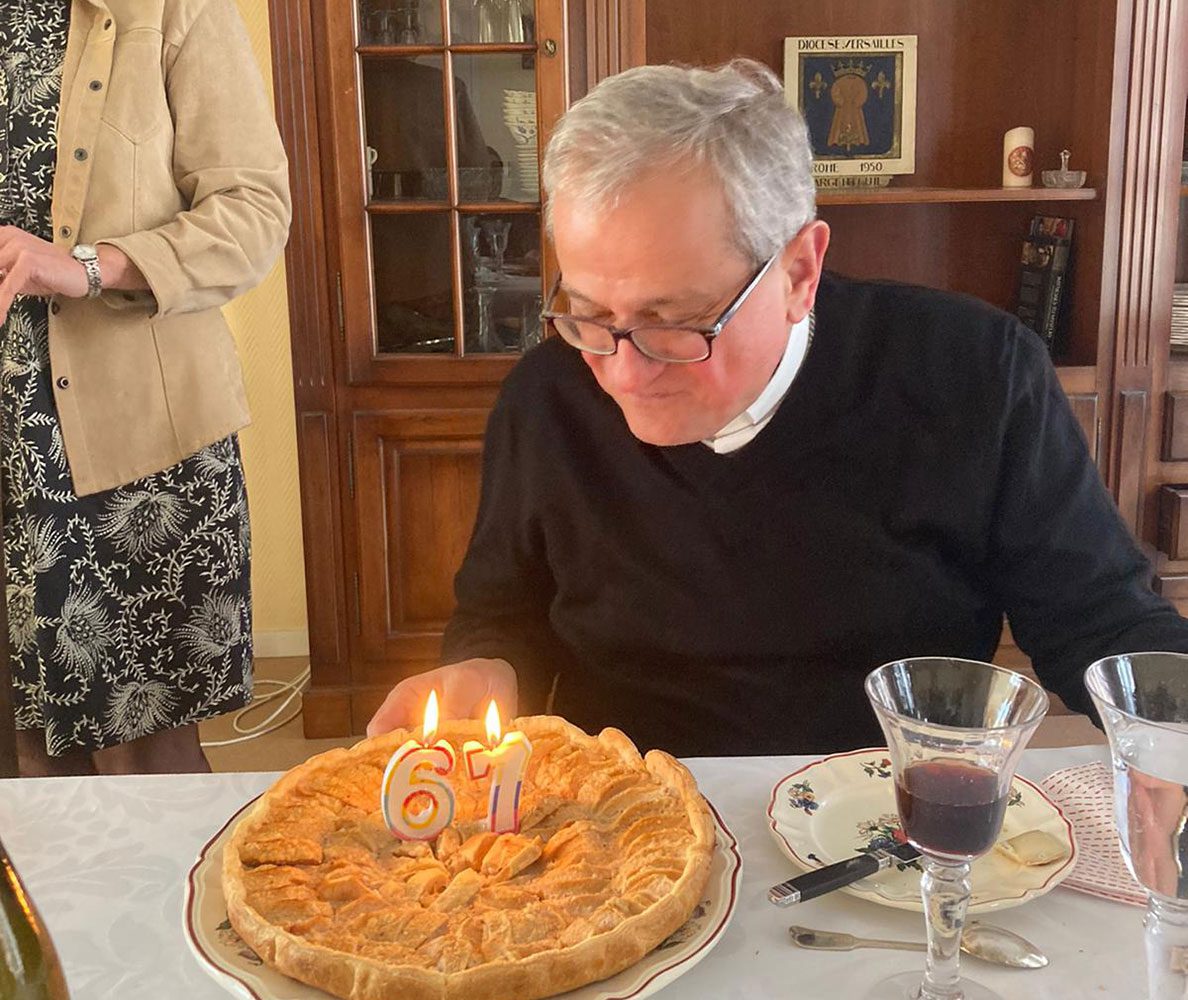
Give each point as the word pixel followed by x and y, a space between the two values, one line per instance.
pixel 350 256
pixel 1132 358
pixel 1084 407
pixel 615 37
pixel 1131 467
pixel 313 322
pixel 552 45
pixel 931 245
pixel 959 139
pixel 1163 89
pixel 417 485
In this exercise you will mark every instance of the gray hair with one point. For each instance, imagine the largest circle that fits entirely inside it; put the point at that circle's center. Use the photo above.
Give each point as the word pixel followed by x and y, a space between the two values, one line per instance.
pixel 732 119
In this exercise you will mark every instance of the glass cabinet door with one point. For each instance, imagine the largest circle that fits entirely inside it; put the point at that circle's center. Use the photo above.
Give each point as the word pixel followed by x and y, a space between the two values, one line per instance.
pixel 442 256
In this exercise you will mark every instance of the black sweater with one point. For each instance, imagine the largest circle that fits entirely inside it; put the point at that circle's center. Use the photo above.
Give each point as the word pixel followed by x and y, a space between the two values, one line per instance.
pixel 923 476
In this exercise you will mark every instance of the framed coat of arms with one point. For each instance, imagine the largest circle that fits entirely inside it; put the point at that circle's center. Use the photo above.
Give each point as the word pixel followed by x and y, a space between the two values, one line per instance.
pixel 857 94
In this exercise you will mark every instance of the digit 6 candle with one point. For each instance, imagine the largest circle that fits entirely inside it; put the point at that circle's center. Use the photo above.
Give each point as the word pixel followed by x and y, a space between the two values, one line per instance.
pixel 505 760
pixel 416 799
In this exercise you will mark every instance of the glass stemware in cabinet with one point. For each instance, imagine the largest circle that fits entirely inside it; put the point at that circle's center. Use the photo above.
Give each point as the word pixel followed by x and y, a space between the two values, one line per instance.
pixel 494 22
pixel 490 20
pixel 955 731
pixel 398 22
pixel 1143 702
pixel 501 274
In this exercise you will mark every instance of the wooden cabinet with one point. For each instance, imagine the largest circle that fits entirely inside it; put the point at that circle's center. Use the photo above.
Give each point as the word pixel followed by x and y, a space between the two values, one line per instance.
pixel 1167 480
pixel 418 254
pixel 417 269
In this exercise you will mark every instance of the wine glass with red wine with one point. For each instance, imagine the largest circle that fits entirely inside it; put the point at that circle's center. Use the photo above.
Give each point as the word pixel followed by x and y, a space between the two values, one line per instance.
pixel 955 730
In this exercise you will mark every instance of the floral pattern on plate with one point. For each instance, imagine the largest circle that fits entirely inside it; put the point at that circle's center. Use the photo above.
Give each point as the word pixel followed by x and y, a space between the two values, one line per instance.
pixel 802 796
pixel 853 811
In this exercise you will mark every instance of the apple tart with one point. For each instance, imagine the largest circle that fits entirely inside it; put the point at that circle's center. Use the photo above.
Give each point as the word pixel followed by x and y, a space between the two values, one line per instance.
pixel 612 855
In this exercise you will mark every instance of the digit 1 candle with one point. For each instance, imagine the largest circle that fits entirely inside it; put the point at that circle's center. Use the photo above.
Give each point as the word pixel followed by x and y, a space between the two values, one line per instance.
pixel 416 799
pixel 505 760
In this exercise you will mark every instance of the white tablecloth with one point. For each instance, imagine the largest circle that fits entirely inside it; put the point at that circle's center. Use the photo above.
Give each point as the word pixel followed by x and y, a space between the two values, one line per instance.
pixel 105 860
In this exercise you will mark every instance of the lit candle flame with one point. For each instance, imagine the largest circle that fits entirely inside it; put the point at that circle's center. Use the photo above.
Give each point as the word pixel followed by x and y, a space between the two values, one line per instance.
pixel 494 729
pixel 429 728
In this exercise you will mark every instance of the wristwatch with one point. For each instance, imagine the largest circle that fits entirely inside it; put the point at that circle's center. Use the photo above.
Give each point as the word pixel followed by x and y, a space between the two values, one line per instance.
pixel 88 256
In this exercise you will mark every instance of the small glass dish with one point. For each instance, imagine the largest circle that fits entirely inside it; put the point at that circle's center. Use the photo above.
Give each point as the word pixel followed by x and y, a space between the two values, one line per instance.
pixel 1063 178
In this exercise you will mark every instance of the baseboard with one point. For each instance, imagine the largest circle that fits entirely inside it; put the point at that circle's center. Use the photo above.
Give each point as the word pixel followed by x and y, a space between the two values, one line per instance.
pixel 270 644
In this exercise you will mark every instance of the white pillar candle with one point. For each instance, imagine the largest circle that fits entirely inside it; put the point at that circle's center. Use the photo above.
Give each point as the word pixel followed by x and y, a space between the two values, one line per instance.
pixel 1018 156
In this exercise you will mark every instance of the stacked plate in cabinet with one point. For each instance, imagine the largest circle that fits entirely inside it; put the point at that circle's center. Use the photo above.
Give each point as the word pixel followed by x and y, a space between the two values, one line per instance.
pixel 1179 320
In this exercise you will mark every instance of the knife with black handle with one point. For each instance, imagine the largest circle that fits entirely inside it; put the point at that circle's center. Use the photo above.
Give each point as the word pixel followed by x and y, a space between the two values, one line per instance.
pixel 816 883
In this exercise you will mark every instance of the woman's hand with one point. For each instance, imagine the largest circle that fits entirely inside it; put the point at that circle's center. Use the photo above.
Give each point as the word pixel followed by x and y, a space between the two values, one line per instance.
pixel 33 266
pixel 464 689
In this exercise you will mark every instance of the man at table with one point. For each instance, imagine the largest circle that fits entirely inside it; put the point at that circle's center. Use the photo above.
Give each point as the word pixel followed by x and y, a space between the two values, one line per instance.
pixel 753 481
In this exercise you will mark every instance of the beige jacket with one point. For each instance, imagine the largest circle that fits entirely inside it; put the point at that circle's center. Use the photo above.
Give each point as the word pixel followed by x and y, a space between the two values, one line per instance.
pixel 167 149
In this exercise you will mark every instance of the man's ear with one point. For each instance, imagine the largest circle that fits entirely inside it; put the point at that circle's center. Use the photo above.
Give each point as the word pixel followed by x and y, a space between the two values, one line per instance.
pixel 801 262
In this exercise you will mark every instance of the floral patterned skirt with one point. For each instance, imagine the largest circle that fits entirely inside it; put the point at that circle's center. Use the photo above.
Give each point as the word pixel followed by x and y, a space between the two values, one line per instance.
pixel 129 610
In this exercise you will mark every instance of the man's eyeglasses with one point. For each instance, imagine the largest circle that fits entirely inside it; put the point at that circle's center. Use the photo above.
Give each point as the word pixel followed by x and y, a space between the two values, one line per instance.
pixel 679 345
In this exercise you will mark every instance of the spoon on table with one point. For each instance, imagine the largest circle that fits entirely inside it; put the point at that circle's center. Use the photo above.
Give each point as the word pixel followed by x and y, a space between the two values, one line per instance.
pixel 984 941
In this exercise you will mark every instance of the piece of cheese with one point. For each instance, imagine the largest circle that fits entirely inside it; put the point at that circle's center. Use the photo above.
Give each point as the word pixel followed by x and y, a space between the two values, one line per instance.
pixel 1035 847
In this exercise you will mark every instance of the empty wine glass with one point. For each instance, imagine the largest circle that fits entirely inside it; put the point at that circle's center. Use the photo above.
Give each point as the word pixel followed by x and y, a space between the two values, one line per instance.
pixel 490 20
pixel 497 231
pixel 955 730
pixel 1143 702
pixel 515 21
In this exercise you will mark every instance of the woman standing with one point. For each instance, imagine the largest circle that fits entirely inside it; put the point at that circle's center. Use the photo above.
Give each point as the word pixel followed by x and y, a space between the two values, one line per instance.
pixel 142 186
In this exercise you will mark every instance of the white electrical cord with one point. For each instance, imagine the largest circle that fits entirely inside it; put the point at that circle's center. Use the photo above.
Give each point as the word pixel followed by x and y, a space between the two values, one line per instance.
pixel 294 688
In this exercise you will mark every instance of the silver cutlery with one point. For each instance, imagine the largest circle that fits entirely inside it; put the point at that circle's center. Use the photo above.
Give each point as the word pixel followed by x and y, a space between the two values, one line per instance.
pixel 984 941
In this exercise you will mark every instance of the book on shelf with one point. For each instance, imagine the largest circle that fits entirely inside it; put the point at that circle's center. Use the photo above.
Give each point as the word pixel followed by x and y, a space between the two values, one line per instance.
pixel 1043 278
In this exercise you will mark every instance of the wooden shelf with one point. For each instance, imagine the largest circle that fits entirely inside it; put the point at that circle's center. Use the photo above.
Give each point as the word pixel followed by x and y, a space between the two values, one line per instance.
pixel 1184 190
pixel 947 196
pixel 1077 378
pixel 413 206
pixel 463 48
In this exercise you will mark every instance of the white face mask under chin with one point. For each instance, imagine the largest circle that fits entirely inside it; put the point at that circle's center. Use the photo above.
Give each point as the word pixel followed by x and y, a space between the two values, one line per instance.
pixel 747 425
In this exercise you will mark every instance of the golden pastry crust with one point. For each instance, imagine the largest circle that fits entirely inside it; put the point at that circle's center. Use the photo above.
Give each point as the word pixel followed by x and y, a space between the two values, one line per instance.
pixel 612 856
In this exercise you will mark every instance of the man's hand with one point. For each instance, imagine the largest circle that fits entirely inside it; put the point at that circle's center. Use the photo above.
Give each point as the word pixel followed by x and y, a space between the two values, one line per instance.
pixel 463 688
pixel 31 266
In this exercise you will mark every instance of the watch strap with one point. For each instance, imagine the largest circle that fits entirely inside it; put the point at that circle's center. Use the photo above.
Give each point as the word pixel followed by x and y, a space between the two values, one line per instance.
pixel 89 258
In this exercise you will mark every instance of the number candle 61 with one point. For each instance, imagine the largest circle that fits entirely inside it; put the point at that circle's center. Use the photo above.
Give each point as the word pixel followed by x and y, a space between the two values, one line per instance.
pixel 416 798
pixel 505 760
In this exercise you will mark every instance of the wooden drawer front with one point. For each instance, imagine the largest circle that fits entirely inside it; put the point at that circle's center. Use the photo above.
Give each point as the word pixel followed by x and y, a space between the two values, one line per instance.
pixel 1173 521
pixel 1175 427
pixel 416 495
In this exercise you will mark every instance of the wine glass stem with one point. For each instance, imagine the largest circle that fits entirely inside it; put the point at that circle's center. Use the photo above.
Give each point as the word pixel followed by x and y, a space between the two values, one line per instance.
pixel 946 892
pixel 1166 925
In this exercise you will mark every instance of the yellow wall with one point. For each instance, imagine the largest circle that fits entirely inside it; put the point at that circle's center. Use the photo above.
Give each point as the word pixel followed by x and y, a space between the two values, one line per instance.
pixel 260 323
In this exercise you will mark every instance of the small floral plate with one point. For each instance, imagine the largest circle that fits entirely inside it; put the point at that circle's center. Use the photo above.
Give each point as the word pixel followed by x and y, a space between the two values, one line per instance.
pixel 225 956
pixel 844 805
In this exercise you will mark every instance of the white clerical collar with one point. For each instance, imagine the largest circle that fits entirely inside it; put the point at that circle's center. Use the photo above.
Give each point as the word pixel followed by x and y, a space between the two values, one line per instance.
pixel 755 417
